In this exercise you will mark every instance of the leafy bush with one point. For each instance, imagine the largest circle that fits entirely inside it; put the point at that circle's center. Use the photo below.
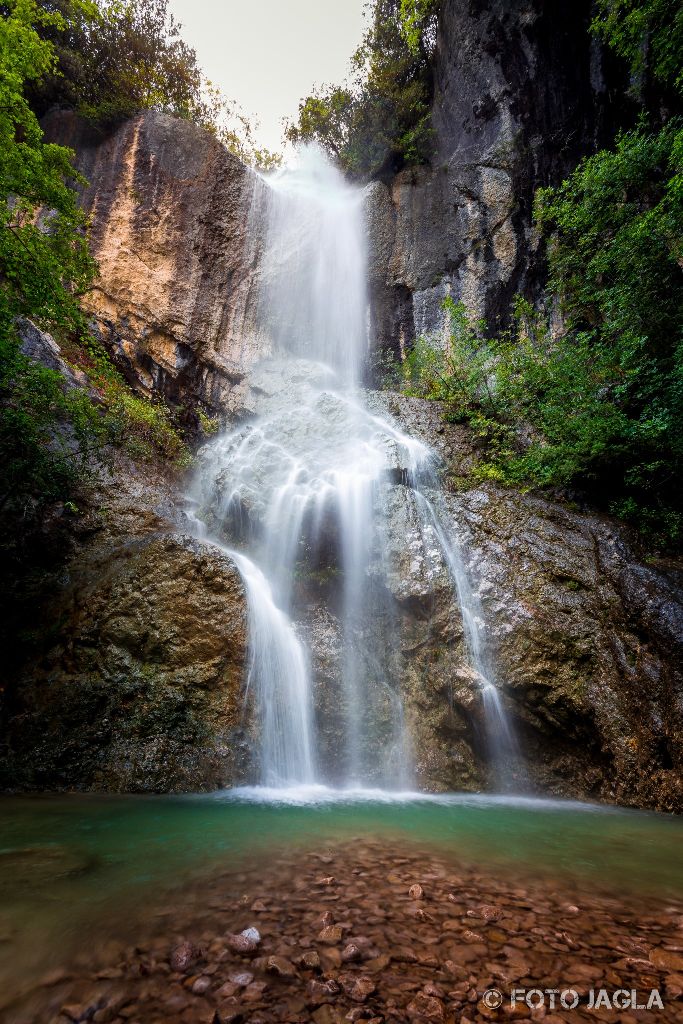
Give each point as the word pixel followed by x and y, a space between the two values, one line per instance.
pixel 49 432
pixel 553 412
pixel 381 120
pixel 600 406
pixel 648 34
pixel 115 58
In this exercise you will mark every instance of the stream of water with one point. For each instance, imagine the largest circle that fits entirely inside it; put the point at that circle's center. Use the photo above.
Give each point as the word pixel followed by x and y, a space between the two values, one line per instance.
pixel 298 492
pixel 93 884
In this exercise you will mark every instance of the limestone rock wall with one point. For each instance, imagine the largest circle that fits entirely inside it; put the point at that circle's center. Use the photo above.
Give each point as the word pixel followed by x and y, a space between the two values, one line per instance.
pixel 586 637
pixel 169 208
pixel 520 96
pixel 134 640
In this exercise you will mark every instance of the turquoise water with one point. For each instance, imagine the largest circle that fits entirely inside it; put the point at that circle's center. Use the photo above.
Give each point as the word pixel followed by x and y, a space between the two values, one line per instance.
pixel 83 868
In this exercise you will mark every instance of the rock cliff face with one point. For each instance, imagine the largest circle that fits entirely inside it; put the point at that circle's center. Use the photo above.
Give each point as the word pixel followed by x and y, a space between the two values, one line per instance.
pixel 138 637
pixel 139 687
pixel 169 208
pixel 520 97
pixel 587 641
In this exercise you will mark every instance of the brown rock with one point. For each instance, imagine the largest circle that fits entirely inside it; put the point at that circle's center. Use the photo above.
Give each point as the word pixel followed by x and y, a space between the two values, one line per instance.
pixel 426 1007
pixel 241 978
pixel 485 912
pixel 183 957
pixel 666 959
pixel 201 986
pixel 358 987
pixel 416 892
pixel 281 966
pixel 241 944
pixel 351 953
pixel 319 991
pixel 331 935
pixel 377 964
pixel 310 960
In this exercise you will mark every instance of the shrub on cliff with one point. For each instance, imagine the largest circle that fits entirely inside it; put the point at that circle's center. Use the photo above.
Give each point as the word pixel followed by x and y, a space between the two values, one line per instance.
pixel 114 59
pixel 50 432
pixel 600 405
pixel 381 120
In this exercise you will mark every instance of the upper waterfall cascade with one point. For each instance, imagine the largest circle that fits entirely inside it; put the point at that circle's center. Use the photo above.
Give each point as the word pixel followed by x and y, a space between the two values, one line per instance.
pixel 300 492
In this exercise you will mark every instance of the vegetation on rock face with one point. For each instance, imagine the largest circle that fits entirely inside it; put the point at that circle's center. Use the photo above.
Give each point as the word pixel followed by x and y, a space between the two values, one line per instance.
pixel 599 404
pixel 115 58
pixel 50 430
pixel 380 120
pixel 649 35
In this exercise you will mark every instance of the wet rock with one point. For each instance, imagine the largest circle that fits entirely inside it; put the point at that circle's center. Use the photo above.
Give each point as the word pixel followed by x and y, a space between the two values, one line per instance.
pixel 426 1007
pixel 358 987
pixel 173 612
pixel 241 978
pixel 485 913
pixel 318 991
pixel 241 944
pixel 183 957
pixel 331 934
pixel 351 953
pixel 282 967
pixel 201 986
pixel 310 960
pixel 667 959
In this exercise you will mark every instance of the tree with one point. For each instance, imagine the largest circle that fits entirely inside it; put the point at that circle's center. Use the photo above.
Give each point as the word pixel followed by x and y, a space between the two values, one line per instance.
pixel 381 120
pixel 114 58
pixel 648 34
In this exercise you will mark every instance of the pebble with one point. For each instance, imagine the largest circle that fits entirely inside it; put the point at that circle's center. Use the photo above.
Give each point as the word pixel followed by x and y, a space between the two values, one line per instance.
pixel 380 956
pixel 183 957
pixel 241 944
pixel 358 987
pixel 281 966
pixel 201 985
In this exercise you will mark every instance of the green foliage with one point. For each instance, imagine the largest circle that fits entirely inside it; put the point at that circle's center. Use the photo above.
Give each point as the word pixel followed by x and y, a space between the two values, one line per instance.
pixel 553 412
pixel 418 21
pixel 648 34
pixel 115 58
pixel 381 120
pixel 49 431
pixel 44 263
pixel 599 406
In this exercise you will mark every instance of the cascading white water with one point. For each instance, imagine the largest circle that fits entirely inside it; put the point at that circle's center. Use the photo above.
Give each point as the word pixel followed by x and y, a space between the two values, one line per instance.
pixel 502 747
pixel 299 488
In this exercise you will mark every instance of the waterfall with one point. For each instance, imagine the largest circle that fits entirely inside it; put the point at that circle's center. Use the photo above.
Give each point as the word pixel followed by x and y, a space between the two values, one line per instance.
pixel 298 491
pixel 502 748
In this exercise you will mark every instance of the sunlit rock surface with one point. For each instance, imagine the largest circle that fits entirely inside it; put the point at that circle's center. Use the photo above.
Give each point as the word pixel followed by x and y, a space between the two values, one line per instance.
pixel 169 208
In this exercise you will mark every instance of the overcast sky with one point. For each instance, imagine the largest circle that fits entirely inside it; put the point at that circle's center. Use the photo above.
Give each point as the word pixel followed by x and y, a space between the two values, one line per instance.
pixel 268 54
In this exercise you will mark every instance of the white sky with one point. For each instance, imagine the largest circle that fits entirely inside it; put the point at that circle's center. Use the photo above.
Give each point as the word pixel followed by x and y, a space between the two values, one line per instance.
pixel 268 54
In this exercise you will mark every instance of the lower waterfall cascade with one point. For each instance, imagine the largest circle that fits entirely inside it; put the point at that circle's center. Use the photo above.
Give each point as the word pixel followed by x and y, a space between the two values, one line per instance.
pixel 300 491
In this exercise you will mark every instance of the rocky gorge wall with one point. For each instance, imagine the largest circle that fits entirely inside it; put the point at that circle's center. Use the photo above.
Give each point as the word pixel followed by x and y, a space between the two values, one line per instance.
pixel 138 686
pixel 174 300
pixel 522 92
